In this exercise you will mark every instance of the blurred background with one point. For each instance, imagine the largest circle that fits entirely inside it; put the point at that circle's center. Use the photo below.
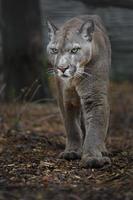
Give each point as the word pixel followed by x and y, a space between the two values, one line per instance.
pixel 23 39
pixel 31 131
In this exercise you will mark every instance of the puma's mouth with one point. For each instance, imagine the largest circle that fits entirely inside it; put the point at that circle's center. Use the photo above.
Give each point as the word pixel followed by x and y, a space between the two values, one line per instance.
pixel 66 72
pixel 64 76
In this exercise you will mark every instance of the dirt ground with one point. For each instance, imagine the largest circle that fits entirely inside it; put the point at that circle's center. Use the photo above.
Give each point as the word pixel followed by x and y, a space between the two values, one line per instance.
pixel 32 136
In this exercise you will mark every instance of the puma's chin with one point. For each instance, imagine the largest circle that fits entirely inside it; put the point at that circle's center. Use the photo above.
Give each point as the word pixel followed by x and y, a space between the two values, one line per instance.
pixel 65 76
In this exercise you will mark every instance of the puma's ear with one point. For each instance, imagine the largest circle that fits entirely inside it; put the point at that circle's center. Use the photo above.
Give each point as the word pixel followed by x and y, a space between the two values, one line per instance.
pixel 87 29
pixel 51 29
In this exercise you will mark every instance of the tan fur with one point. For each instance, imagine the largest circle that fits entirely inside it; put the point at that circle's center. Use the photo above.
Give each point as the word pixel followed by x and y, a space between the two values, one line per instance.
pixel 83 100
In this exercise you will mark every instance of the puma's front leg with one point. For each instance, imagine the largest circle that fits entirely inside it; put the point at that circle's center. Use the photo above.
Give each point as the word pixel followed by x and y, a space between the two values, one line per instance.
pixel 69 104
pixel 73 133
pixel 96 111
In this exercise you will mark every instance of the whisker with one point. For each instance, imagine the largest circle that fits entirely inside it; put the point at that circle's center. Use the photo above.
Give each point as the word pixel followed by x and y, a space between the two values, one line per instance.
pixel 90 75
pixel 51 72
pixel 51 69
pixel 84 73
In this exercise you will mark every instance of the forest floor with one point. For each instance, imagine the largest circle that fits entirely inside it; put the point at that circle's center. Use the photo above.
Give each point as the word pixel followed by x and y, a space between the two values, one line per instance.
pixel 32 136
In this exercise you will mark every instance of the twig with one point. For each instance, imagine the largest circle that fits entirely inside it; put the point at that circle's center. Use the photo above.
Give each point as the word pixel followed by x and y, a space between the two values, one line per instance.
pixel 2 88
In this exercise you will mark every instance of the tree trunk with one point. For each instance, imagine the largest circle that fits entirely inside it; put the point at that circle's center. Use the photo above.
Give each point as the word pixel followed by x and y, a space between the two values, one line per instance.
pixel 22 48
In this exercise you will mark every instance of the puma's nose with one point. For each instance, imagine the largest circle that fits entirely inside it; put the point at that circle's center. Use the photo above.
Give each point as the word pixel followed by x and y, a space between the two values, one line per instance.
pixel 63 69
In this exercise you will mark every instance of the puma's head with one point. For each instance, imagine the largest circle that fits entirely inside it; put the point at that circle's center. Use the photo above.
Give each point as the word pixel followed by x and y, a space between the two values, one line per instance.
pixel 70 47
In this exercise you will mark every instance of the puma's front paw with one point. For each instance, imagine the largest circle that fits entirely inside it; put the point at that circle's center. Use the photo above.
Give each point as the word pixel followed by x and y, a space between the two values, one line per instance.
pixel 95 162
pixel 70 155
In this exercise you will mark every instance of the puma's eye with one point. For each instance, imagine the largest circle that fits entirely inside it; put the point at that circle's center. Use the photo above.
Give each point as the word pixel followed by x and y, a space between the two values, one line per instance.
pixel 53 50
pixel 75 50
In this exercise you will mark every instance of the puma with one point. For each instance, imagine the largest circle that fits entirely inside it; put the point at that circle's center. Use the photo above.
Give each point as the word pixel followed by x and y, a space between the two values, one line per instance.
pixel 80 54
